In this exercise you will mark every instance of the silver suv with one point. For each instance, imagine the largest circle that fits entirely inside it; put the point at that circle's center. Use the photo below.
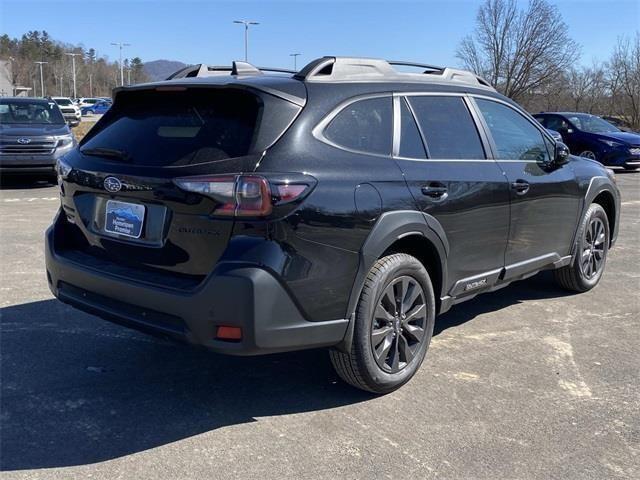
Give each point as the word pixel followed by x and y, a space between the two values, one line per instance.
pixel 33 135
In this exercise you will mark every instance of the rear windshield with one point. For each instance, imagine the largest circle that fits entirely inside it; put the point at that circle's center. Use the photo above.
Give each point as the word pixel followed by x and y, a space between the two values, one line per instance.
pixel 36 112
pixel 182 128
pixel 63 101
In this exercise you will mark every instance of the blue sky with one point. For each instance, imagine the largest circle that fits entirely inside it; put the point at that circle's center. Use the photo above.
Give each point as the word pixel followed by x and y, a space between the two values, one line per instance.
pixel 202 31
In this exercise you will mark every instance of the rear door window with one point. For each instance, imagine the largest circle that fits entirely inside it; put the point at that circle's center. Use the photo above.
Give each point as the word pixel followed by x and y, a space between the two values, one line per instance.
pixel 516 137
pixel 448 127
pixel 191 127
pixel 364 126
pixel 411 145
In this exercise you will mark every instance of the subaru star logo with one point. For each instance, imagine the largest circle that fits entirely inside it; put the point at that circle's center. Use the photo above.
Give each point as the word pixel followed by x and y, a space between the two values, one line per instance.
pixel 23 140
pixel 112 184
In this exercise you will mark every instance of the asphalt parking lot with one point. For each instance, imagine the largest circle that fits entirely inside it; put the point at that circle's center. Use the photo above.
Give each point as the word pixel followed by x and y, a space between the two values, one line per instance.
pixel 527 382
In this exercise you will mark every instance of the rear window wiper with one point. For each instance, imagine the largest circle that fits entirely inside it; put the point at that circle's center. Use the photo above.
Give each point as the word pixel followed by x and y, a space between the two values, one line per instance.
pixel 107 152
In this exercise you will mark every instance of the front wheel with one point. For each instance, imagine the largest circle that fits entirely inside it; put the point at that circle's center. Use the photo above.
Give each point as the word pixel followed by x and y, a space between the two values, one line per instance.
pixel 588 154
pixel 590 256
pixel 393 326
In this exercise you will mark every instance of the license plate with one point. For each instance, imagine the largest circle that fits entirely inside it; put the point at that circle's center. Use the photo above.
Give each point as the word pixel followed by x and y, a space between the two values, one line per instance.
pixel 124 218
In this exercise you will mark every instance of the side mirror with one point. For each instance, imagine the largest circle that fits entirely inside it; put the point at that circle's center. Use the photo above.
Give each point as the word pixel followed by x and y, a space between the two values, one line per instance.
pixel 561 154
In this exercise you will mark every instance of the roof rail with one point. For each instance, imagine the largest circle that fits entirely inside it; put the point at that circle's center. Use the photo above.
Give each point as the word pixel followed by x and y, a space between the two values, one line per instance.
pixel 341 69
pixel 236 68
pixel 430 68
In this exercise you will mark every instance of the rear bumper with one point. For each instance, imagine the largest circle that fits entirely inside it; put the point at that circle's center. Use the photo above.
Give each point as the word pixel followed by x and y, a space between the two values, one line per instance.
pixel 239 295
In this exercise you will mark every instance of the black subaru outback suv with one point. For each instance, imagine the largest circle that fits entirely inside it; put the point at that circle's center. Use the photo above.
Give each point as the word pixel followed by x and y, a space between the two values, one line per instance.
pixel 344 206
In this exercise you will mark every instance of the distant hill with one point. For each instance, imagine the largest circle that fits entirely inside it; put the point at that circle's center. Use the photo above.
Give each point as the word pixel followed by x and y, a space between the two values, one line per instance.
pixel 161 69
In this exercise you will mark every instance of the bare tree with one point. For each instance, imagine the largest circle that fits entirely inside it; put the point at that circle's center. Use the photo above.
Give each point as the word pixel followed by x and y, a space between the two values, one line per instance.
pixel 624 80
pixel 518 51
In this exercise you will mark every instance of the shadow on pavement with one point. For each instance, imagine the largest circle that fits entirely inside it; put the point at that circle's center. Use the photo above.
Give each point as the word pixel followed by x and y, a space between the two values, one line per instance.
pixel 22 182
pixel 77 390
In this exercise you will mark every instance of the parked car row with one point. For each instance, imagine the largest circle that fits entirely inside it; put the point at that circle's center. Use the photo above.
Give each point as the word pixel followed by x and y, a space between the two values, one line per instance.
pixel 88 101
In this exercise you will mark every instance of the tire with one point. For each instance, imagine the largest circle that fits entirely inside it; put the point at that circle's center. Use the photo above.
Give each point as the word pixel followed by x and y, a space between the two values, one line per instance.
pixel 588 154
pixel 405 334
pixel 590 255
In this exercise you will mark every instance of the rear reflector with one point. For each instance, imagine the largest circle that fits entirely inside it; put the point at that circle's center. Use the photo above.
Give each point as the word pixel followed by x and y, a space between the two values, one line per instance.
pixel 229 333
pixel 288 192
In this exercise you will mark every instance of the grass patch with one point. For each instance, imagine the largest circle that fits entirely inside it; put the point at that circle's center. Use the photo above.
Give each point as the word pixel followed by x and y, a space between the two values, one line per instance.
pixel 81 130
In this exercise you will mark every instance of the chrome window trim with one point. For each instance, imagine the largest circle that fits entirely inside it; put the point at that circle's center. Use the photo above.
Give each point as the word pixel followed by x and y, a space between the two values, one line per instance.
pixel 486 139
pixel 397 126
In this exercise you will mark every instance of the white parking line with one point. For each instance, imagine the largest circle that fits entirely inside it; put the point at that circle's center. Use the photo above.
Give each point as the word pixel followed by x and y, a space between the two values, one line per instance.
pixel 30 199
pixel 632 202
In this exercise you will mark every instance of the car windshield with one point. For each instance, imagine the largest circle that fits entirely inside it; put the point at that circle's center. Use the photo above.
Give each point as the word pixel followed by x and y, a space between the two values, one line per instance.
pixel 592 124
pixel 62 101
pixel 35 112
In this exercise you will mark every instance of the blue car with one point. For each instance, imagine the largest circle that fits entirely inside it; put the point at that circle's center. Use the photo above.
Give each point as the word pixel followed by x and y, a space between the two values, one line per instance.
pixel 97 108
pixel 592 137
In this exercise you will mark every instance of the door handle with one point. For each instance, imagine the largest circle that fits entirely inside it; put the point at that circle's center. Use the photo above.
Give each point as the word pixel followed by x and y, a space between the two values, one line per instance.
pixel 520 186
pixel 435 190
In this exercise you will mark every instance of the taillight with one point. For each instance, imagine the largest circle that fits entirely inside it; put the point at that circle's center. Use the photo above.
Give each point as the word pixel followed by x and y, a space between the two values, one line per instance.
pixel 288 192
pixel 219 188
pixel 253 196
pixel 243 195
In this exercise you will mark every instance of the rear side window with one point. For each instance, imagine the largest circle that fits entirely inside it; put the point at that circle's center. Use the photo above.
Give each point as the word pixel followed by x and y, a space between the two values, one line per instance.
pixel 516 138
pixel 556 123
pixel 190 127
pixel 410 142
pixel 364 126
pixel 447 127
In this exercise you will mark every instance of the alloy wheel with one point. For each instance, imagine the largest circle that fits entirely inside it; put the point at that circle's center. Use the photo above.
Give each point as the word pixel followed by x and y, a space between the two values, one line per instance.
pixel 399 322
pixel 593 248
pixel 588 154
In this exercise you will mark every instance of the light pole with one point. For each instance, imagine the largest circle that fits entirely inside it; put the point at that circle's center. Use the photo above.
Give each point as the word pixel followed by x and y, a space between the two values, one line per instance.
pixel 295 58
pixel 121 45
pixel 246 24
pixel 73 62
pixel 41 77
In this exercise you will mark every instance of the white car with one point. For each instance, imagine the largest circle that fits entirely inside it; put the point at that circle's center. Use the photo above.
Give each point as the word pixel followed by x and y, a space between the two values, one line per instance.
pixel 70 111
